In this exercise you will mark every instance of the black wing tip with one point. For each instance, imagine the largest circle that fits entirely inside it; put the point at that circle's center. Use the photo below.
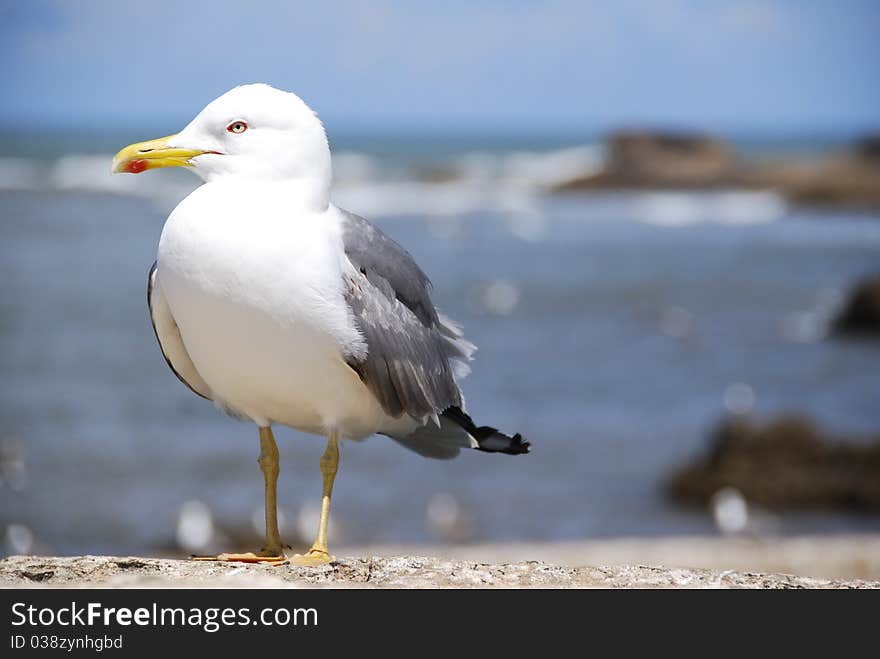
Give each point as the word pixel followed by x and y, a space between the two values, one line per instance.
pixel 520 445
pixel 489 439
pixel 498 442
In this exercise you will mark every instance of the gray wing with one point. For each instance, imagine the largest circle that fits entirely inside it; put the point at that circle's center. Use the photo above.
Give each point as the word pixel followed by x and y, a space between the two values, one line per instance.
pixel 170 342
pixel 413 352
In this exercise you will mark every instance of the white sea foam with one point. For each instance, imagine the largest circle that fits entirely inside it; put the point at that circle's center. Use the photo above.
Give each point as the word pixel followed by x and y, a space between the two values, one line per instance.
pixel 351 167
pixel 445 199
pixel 89 172
pixel 735 207
pixel 550 169
pixel 509 184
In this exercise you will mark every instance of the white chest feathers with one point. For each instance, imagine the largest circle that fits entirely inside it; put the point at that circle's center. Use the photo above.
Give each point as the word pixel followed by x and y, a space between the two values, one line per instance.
pixel 256 288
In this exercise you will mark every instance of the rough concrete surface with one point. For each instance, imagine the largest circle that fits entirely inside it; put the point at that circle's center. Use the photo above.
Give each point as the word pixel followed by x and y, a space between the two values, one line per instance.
pixel 378 572
pixel 838 556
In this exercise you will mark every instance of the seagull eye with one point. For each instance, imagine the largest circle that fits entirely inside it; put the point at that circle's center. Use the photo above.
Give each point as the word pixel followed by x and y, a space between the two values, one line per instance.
pixel 237 127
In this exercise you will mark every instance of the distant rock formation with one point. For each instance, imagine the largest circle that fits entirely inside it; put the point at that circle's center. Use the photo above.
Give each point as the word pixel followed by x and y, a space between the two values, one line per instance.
pixel 848 179
pixel 861 313
pixel 688 160
pixel 868 147
pixel 661 159
pixel 785 463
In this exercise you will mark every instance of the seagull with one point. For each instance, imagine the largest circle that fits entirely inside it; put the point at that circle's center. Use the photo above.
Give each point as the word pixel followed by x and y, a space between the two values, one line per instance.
pixel 284 309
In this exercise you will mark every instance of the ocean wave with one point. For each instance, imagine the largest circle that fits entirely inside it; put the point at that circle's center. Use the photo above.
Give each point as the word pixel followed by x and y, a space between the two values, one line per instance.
pixel 548 170
pixel 403 198
pixel 732 207
pixel 511 184
pixel 89 173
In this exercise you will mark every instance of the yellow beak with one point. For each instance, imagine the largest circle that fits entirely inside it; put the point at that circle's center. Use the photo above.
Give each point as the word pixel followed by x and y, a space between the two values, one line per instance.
pixel 142 156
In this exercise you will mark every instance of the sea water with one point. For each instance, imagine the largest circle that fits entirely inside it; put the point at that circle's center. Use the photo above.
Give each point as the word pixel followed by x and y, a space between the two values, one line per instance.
pixel 614 331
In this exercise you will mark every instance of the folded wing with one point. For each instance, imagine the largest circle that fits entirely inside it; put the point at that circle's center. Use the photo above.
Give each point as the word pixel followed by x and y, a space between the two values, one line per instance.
pixel 413 352
pixel 168 336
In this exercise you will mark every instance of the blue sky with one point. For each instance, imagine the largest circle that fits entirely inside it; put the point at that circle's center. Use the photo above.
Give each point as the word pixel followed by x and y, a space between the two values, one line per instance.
pixel 752 65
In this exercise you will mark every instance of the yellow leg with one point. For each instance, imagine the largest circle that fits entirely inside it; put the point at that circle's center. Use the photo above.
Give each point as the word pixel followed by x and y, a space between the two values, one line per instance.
pixel 273 552
pixel 268 461
pixel 319 554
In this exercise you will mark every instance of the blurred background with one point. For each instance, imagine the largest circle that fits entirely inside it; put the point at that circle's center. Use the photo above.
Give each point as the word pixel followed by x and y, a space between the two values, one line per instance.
pixel 660 221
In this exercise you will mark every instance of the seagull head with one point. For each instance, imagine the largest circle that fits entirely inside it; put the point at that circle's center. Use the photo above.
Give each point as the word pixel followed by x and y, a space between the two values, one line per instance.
pixel 253 132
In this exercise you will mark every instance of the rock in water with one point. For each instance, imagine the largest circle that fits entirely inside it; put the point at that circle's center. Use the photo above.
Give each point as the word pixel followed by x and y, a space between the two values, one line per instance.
pixel 642 159
pixel 785 463
pixel 861 314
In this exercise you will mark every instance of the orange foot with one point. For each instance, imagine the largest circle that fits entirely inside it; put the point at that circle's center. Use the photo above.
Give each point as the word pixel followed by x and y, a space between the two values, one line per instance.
pixel 263 556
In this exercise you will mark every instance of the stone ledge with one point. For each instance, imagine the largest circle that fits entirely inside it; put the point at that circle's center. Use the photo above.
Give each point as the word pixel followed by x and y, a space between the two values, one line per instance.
pixel 377 572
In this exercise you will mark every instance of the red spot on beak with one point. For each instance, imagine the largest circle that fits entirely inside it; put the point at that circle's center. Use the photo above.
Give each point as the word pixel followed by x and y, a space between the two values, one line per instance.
pixel 136 166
